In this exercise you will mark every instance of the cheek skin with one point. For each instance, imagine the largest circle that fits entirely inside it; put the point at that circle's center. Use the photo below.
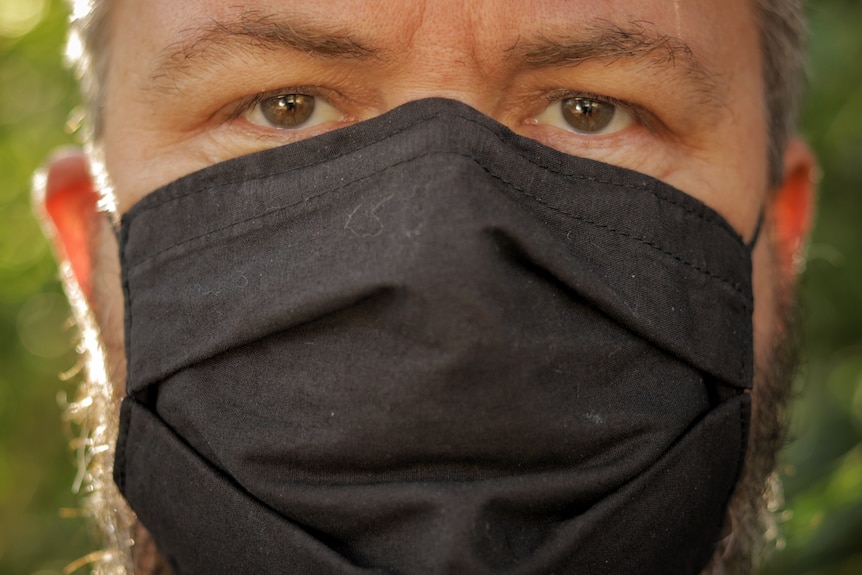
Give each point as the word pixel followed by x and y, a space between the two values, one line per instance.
pixel 107 306
pixel 769 300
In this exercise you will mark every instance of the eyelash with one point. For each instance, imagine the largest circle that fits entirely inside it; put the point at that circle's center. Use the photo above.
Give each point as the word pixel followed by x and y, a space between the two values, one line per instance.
pixel 639 115
pixel 555 96
pixel 250 102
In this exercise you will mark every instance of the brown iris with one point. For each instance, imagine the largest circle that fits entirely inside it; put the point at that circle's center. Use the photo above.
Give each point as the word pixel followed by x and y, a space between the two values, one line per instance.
pixel 587 115
pixel 287 111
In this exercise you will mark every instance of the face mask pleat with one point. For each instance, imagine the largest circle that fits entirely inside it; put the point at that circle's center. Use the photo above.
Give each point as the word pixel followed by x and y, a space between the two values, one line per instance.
pixel 425 344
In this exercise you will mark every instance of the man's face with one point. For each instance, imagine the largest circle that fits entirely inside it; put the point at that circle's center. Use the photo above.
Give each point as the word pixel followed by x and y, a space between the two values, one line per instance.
pixel 670 89
pixel 682 79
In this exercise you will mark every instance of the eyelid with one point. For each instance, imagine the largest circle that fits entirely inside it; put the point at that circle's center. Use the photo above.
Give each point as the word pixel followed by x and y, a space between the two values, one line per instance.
pixel 639 114
pixel 248 103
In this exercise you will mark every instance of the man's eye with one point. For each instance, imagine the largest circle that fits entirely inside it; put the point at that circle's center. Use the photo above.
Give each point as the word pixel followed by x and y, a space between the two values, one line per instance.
pixel 589 116
pixel 291 112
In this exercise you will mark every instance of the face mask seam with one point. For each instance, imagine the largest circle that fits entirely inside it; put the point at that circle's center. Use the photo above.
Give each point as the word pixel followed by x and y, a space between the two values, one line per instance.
pixel 730 283
pixel 123 241
pixel 142 208
pixel 120 457
pixel 529 214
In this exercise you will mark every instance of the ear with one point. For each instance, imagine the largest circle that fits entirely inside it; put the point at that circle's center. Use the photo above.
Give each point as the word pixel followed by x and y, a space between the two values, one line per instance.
pixel 793 206
pixel 68 203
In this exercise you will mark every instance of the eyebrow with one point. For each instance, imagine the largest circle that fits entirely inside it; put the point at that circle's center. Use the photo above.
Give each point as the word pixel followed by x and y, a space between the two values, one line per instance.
pixel 253 32
pixel 607 42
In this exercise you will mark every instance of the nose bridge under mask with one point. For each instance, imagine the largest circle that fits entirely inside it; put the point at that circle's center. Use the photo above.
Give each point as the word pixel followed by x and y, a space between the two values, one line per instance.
pixel 426 344
pixel 606 221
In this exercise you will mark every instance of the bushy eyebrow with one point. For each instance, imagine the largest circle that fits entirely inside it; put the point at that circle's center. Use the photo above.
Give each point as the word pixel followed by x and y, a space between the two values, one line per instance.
pixel 607 42
pixel 251 33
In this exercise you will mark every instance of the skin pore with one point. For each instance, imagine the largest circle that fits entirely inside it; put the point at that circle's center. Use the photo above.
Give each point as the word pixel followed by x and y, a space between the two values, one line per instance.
pixel 188 83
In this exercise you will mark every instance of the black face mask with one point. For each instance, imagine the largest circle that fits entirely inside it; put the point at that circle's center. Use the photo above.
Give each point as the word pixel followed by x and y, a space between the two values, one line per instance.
pixel 425 344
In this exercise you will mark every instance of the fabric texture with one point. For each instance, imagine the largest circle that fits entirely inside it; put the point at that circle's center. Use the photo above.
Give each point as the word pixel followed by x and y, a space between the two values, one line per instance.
pixel 425 344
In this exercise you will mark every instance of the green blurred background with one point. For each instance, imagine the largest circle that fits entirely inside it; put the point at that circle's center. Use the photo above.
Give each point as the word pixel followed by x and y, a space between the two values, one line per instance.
pixel 823 482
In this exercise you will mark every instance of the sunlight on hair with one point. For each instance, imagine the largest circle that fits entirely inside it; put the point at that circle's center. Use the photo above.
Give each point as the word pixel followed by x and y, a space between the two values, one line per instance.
pixel 102 181
pixel 74 47
pixel 39 183
pixel 92 559
pixel 81 8
pixel 90 413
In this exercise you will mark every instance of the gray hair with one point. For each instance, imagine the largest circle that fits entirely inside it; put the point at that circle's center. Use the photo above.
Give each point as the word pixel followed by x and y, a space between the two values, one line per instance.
pixel 87 53
pixel 783 45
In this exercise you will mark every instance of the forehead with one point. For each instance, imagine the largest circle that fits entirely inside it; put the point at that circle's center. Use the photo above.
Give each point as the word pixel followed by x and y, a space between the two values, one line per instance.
pixel 485 27
pixel 175 65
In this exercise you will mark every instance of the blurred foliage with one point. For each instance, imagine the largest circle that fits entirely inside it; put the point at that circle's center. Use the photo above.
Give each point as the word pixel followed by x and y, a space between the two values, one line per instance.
pixel 36 341
pixel 823 482
pixel 823 527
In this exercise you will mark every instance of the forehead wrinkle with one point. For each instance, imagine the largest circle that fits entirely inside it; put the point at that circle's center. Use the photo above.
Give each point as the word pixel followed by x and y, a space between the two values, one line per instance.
pixel 251 33
pixel 638 42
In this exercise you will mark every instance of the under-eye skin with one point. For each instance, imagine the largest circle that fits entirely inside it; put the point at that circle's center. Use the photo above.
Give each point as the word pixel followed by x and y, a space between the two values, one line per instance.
pixel 289 111
pixel 586 115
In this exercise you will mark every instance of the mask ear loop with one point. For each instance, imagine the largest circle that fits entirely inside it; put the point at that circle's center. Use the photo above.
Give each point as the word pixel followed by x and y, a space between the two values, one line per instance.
pixel 753 241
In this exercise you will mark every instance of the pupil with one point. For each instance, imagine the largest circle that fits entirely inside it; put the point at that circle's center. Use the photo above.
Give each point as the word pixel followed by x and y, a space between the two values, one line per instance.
pixel 586 115
pixel 288 111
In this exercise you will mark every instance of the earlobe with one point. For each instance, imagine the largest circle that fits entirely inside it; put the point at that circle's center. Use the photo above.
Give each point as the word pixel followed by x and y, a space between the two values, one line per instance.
pixel 68 203
pixel 793 206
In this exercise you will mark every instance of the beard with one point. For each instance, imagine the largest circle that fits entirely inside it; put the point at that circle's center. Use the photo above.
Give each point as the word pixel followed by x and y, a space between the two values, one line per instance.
pixel 752 525
pixel 751 529
pixel 95 417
